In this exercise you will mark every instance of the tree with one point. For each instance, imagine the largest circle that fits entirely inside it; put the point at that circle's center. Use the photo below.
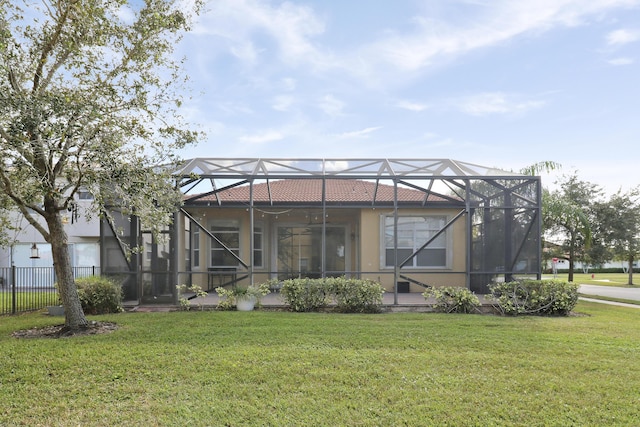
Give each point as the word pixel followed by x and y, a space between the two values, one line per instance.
pixel 89 99
pixel 618 222
pixel 566 217
pixel 543 166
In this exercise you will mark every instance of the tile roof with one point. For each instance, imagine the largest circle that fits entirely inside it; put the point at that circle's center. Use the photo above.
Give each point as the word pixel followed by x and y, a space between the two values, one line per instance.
pixel 310 191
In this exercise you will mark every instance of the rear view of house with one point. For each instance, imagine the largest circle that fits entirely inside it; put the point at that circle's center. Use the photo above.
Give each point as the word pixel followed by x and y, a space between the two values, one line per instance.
pixel 407 223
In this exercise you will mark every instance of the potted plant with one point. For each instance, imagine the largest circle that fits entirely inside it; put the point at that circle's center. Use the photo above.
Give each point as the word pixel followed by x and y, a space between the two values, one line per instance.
pixel 243 299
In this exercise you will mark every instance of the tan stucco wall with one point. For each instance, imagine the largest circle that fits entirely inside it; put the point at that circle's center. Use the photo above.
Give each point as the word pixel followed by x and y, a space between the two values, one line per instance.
pixel 372 263
pixel 364 244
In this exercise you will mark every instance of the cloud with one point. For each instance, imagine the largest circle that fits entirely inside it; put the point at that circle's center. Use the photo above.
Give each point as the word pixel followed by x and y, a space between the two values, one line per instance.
pixel 261 138
pixel 282 102
pixel 289 84
pixel 359 133
pixel 623 36
pixel 495 103
pixel 431 42
pixel 412 106
pixel 621 61
pixel 247 28
pixel 331 105
pixel 251 30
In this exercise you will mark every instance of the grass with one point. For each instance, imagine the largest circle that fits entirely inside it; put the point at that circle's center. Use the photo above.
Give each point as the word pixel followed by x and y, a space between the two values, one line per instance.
pixel 294 369
pixel 600 279
pixel 27 300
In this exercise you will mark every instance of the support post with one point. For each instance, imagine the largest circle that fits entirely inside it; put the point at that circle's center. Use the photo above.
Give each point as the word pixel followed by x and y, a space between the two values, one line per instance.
pixel 14 302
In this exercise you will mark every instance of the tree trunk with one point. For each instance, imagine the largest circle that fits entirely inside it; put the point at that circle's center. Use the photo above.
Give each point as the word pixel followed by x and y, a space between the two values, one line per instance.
pixel 630 270
pixel 75 319
pixel 571 257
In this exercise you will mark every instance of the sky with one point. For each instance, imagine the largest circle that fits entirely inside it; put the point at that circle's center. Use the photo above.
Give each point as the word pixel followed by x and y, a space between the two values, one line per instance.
pixel 498 83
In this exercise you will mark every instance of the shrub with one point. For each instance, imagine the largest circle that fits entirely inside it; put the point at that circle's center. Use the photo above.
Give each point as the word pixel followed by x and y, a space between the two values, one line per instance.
pixel 229 297
pixel 99 295
pixel 355 295
pixel 305 294
pixel 542 297
pixel 453 299
pixel 184 302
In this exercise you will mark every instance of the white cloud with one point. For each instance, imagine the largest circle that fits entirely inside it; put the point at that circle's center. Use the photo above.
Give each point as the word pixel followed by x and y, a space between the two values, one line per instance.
pixel 622 36
pixel 331 105
pixel 252 29
pixel 245 51
pixel 241 25
pixel 337 165
pixel 431 42
pixel 234 108
pixel 359 133
pixel 495 103
pixel 412 106
pixel 261 138
pixel 283 102
pixel 621 61
pixel 289 84
pixel 126 14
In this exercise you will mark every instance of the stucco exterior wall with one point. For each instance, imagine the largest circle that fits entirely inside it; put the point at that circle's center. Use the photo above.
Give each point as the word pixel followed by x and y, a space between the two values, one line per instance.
pixel 373 262
pixel 363 245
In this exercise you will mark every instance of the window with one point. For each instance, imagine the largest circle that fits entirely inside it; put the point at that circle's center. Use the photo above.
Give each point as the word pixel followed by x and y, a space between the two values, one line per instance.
pixel 148 250
pixel 228 233
pixel 195 246
pixel 413 232
pixel 84 195
pixel 257 246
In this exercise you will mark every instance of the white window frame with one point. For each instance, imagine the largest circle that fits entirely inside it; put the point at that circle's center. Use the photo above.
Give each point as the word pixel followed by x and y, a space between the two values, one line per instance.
pixel 442 243
pixel 258 229
pixel 195 248
pixel 228 223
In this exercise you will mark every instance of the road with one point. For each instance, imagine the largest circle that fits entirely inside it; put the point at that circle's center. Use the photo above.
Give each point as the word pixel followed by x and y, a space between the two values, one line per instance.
pixel 611 291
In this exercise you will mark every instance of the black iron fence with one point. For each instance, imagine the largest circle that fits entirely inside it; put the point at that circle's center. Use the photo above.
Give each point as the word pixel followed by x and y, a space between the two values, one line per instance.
pixel 32 288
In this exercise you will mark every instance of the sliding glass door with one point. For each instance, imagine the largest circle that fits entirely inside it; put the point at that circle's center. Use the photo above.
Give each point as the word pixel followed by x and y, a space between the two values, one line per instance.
pixel 299 250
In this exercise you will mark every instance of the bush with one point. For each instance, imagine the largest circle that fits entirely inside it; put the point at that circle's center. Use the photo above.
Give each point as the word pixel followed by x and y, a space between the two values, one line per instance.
pixel 99 295
pixel 542 297
pixel 305 294
pixel 453 300
pixel 355 295
pixel 350 295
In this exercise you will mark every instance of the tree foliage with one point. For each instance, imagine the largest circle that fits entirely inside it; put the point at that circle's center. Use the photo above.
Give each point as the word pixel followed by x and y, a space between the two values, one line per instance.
pixel 89 99
pixel 618 224
pixel 566 218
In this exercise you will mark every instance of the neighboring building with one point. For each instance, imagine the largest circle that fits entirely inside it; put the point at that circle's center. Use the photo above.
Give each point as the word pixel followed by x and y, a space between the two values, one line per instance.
pixel 407 223
pixel 83 235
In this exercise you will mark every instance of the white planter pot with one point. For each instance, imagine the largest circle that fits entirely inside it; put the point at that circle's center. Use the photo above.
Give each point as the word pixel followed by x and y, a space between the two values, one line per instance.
pixel 246 304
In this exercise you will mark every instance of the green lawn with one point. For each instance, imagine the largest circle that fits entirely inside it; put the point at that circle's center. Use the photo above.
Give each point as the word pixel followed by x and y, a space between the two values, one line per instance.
pixel 602 279
pixel 27 300
pixel 292 369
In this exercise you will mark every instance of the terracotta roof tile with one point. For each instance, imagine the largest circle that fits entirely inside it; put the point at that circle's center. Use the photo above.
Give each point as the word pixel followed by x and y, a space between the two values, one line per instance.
pixel 310 191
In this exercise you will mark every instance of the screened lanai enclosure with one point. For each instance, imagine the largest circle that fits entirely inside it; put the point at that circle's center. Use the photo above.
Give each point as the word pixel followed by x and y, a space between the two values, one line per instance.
pixel 407 223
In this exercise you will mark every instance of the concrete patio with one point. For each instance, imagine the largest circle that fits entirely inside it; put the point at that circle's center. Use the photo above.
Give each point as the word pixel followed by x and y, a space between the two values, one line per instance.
pixel 407 302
